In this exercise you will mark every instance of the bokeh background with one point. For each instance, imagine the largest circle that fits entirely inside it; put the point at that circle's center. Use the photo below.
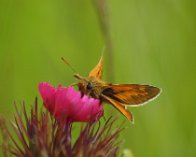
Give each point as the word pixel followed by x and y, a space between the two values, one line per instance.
pixel 153 42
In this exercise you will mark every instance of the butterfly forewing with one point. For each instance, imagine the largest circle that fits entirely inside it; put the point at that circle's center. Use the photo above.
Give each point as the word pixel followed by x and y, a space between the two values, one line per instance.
pixel 97 71
pixel 131 94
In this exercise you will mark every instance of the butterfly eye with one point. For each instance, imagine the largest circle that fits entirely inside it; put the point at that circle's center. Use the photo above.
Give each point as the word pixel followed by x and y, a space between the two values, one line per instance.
pixel 89 86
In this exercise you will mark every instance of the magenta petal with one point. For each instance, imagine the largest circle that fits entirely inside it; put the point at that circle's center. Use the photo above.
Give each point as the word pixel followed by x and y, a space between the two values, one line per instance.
pixel 48 95
pixel 68 105
pixel 90 110
pixel 93 105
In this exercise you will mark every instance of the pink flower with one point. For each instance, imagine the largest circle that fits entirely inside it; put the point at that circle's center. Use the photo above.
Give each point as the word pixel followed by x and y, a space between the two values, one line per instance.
pixel 68 105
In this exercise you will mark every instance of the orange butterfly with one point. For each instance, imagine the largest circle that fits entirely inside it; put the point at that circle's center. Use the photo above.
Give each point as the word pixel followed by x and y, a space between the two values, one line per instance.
pixel 119 95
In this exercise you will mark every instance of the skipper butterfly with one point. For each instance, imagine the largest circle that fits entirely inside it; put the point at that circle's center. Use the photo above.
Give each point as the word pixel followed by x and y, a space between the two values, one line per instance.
pixel 119 95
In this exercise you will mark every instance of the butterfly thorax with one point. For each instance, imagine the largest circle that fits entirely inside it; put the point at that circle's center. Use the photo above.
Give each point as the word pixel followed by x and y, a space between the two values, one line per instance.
pixel 90 86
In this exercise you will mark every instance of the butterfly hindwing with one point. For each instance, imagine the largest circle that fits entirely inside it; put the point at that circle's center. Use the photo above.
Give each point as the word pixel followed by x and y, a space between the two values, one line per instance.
pixel 119 107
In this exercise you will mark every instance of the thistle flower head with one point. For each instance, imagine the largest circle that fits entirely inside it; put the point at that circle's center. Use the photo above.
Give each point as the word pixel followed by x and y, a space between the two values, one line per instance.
pixel 40 134
pixel 68 105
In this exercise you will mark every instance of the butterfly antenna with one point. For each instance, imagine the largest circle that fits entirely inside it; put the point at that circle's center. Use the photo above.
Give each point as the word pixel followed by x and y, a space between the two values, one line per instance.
pixel 66 62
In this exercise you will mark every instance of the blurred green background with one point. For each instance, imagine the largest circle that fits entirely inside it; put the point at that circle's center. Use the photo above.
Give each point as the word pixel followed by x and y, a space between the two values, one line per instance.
pixel 154 42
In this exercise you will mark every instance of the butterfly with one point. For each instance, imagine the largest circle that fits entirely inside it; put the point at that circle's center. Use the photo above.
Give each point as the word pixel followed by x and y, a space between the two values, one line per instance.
pixel 119 95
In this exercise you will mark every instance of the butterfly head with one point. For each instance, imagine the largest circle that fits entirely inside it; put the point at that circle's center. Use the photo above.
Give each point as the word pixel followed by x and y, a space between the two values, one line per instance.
pixel 84 84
